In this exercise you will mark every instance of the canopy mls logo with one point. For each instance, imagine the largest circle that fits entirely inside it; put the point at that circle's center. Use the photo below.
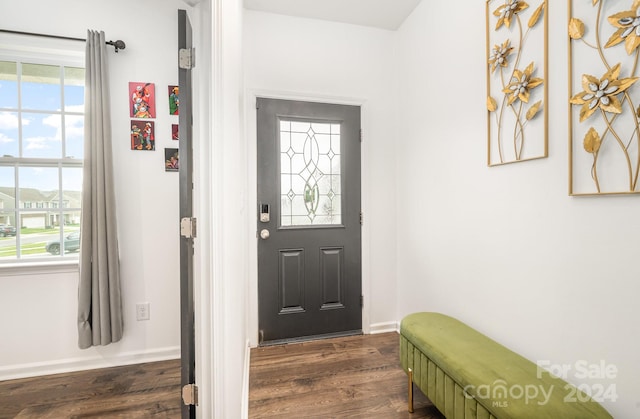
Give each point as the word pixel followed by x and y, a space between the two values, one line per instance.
pixel 501 393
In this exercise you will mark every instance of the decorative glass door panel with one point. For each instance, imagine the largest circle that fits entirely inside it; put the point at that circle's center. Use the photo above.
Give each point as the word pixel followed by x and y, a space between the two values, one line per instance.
pixel 310 188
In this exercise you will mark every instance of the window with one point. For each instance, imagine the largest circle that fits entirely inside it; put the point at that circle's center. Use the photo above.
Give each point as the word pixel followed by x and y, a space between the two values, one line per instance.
pixel 41 151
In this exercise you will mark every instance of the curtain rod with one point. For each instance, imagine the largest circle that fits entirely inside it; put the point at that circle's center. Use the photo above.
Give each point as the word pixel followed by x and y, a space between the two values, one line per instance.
pixel 118 45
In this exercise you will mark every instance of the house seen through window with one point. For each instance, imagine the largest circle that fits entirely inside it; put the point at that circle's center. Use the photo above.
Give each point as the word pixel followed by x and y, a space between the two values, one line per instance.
pixel 41 151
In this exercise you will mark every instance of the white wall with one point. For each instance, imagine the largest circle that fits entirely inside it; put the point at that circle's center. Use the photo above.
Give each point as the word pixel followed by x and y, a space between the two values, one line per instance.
pixel 505 249
pixel 38 312
pixel 305 59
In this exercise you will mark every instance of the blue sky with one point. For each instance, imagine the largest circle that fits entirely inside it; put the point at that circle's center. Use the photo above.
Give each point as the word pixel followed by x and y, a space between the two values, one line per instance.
pixel 42 131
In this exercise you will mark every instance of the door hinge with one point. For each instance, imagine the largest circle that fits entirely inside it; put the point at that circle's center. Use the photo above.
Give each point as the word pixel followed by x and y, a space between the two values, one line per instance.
pixel 361 301
pixel 190 395
pixel 188 227
pixel 360 134
pixel 186 58
pixel 361 218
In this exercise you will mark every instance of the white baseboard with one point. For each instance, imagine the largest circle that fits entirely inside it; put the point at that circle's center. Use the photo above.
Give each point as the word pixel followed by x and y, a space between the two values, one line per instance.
pixel 81 364
pixel 385 327
pixel 244 414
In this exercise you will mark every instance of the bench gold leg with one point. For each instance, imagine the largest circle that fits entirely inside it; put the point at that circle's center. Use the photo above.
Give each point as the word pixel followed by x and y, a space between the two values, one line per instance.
pixel 410 390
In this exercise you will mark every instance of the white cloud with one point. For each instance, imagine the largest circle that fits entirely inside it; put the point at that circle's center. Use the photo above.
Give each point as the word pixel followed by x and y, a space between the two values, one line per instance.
pixel 37 143
pixel 8 120
pixel 4 139
pixel 75 126
pixel 54 121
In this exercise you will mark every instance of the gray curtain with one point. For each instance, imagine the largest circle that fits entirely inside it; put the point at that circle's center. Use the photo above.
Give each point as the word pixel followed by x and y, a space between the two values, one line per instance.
pixel 99 300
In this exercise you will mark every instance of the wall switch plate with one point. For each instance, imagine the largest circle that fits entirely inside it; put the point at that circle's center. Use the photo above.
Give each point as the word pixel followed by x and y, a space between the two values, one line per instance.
pixel 142 311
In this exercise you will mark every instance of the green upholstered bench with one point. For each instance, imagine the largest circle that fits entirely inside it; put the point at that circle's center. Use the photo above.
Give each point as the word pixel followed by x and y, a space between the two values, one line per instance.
pixel 465 374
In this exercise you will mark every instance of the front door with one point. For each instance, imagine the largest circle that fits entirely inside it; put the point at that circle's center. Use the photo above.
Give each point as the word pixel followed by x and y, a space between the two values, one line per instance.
pixel 308 220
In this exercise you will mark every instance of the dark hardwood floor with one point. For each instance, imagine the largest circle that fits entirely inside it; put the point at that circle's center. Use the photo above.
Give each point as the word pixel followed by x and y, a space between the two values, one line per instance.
pixel 133 391
pixel 351 377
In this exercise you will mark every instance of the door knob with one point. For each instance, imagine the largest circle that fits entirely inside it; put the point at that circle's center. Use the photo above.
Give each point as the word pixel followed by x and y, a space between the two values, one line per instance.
pixel 264 234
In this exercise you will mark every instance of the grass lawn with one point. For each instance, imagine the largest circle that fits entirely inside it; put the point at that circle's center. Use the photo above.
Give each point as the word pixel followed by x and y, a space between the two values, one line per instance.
pixel 27 249
pixel 32 248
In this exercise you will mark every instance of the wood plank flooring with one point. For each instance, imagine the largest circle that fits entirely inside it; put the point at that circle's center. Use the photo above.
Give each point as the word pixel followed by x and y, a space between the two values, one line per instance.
pixel 351 377
pixel 133 391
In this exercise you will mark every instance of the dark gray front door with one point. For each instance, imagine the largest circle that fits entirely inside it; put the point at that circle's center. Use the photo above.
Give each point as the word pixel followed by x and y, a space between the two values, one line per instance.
pixel 185 153
pixel 308 220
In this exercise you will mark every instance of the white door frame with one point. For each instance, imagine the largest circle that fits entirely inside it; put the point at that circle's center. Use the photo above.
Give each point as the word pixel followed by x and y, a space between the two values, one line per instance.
pixel 252 186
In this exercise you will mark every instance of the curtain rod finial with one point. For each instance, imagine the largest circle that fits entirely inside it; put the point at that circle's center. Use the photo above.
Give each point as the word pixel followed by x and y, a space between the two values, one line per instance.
pixel 118 45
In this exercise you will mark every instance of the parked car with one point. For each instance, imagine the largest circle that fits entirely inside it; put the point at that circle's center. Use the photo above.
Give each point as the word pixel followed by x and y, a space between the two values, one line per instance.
pixel 71 244
pixel 7 230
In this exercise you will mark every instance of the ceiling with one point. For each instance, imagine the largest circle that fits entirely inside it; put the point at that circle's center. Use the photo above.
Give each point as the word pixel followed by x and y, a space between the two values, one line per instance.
pixel 384 14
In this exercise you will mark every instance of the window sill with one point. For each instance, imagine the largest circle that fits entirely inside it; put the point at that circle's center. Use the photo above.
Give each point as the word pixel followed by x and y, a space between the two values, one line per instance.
pixel 39 268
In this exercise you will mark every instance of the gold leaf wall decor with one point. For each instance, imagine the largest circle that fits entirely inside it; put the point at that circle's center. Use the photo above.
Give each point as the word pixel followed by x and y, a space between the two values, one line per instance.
pixel 604 94
pixel 516 80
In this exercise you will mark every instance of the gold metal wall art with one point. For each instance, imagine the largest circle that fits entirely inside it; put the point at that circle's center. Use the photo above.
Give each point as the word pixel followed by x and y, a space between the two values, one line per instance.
pixel 604 116
pixel 516 81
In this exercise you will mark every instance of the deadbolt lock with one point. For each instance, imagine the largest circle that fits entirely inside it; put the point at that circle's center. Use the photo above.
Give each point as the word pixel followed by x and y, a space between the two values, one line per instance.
pixel 264 213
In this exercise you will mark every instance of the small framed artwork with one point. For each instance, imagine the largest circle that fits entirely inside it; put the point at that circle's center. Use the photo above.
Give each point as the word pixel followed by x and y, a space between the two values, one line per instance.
pixel 142 135
pixel 174 132
pixel 142 100
pixel 174 102
pixel 171 160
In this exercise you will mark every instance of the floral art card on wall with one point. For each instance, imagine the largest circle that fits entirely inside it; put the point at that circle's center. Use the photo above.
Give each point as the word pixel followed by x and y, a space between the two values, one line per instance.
pixel 142 135
pixel 142 102
pixel 516 80
pixel 604 111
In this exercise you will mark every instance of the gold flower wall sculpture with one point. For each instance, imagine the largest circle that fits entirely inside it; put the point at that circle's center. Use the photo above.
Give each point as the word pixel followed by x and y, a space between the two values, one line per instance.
pixel 516 74
pixel 607 160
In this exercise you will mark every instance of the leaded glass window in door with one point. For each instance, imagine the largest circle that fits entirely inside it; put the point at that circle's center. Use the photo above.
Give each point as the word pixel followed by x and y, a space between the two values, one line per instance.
pixel 310 188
